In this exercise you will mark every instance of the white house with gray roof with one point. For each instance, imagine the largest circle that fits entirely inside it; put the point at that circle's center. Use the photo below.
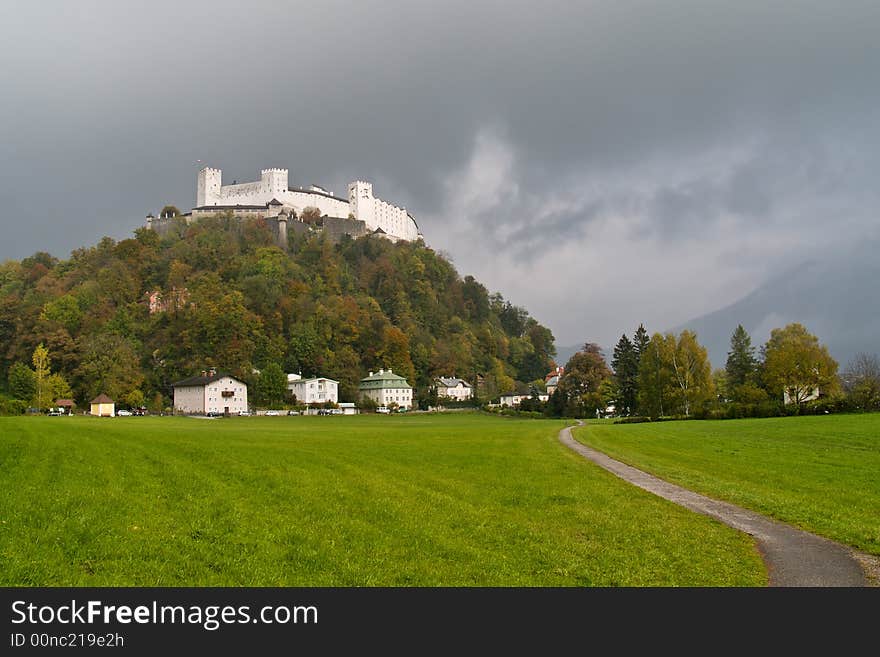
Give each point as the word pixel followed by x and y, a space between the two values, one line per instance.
pixel 512 400
pixel 317 390
pixel 212 392
pixel 453 388
pixel 385 388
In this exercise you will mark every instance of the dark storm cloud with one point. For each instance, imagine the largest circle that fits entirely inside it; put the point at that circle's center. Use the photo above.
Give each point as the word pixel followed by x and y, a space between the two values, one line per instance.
pixel 618 132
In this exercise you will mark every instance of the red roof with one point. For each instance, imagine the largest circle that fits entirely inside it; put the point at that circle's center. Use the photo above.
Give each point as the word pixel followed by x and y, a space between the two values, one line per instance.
pixel 102 399
pixel 557 372
pixel 64 402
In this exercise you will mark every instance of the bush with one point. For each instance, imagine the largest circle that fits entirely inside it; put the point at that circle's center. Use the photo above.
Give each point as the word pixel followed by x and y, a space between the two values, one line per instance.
pixel 367 404
pixel 635 419
pixel 9 406
pixel 826 405
pixel 512 412
pixel 739 410
pixel 445 402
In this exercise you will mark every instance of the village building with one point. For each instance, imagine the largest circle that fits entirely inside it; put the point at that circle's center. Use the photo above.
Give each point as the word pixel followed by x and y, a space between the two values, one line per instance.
pixel 66 406
pixel 318 390
pixel 385 388
pixel 348 408
pixel 102 406
pixel 210 393
pixel 551 381
pixel 789 395
pixel 453 388
pixel 515 400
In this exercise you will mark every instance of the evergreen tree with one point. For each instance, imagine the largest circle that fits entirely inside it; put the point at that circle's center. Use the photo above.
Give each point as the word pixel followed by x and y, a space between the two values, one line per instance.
pixel 626 371
pixel 741 361
pixel 640 341
pixel 640 345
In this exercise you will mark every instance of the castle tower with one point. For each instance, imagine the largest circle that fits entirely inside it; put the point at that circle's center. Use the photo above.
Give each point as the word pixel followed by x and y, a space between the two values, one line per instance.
pixel 274 182
pixel 362 203
pixel 208 188
pixel 149 224
pixel 282 230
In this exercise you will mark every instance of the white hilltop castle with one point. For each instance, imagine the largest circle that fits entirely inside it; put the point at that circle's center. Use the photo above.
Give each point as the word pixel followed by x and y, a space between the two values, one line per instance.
pixel 271 198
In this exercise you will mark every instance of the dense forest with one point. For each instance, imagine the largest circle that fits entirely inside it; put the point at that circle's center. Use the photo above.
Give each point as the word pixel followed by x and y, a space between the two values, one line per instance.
pixel 226 297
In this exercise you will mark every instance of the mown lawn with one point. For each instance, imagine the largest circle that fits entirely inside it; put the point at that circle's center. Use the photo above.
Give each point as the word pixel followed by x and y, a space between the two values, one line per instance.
pixel 821 473
pixel 452 500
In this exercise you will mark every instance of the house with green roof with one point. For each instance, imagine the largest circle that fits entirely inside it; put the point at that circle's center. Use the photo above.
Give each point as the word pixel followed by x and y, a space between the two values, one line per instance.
pixel 385 388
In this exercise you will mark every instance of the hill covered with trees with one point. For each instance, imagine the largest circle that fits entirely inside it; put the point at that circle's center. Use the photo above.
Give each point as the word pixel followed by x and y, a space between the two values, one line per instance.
pixel 128 318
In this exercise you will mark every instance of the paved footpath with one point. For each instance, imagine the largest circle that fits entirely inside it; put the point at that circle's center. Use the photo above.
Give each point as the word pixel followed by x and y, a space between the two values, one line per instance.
pixel 793 557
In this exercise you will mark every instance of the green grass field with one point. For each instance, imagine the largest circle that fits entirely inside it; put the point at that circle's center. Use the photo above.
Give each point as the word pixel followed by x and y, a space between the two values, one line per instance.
pixel 820 473
pixel 453 500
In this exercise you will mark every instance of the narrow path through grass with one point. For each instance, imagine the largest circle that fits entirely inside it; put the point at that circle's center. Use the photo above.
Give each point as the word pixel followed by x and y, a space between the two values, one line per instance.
pixel 821 474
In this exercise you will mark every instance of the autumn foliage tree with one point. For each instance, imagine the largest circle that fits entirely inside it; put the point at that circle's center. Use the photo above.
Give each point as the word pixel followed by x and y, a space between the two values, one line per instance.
pixel 675 375
pixel 41 375
pixel 692 373
pixel 582 383
pixel 796 364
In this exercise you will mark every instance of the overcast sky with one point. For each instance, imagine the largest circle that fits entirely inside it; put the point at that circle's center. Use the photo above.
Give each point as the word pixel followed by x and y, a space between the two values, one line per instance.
pixel 600 163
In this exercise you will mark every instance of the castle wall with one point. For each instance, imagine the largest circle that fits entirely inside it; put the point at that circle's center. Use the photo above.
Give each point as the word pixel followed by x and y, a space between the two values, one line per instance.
pixel 242 213
pixel 299 200
pixel 373 212
pixel 163 226
pixel 241 193
pixel 394 221
pixel 377 213
pixel 336 227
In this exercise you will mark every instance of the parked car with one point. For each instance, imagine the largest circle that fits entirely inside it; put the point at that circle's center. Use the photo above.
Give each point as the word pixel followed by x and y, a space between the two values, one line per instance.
pixel 336 411
pixel 123 413
pixel 56 411
pixel 383 409
pixel 244 413
pixel 293 412
pixel 271 412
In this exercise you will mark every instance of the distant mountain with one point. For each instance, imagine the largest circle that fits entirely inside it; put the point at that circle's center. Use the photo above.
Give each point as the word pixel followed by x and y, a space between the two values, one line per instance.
pixel 837 299
pixel 563 354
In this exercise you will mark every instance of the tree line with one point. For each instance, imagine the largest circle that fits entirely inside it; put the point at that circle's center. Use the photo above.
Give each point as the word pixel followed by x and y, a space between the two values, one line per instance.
pixel 668 375
pixel 129 318
pixel 224 296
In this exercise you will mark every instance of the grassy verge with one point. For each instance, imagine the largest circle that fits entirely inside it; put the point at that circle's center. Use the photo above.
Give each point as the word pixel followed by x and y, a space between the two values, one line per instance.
pixel 820 473
pixel 458 500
